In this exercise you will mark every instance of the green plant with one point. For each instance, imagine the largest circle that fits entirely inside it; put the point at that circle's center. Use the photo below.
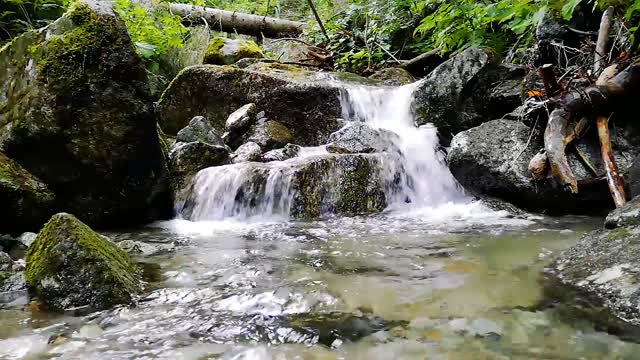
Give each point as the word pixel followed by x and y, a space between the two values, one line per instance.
pixel 18 16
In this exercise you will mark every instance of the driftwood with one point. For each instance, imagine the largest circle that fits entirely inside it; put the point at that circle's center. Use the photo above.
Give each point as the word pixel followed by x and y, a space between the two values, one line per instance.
pixel 602 44
pixel 556 137
pixel 230 21
pixel 614 180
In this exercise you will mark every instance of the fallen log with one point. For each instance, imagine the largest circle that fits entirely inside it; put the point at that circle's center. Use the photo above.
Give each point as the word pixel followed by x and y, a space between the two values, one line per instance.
pixel 230 21
pixel 614 180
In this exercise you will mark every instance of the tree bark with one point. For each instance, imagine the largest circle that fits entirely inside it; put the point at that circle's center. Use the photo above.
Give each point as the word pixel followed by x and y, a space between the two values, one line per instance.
pixel 614 180
pixel 603 41
pixel 230 21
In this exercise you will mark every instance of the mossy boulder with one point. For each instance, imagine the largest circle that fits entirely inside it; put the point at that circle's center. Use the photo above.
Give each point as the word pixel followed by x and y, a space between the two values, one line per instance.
pixel 25 201
pixel 76 112
pixel 306 102
pixel 223 51
pixel 393 76
pixel 70 265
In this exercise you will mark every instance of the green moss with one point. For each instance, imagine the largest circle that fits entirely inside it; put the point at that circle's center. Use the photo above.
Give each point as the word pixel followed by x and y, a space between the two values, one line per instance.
pixel 221 51
pixel 279 132
pixel 249 49
pixel 17 178
pixel 213 55
pixel 69 253
pixel 617 234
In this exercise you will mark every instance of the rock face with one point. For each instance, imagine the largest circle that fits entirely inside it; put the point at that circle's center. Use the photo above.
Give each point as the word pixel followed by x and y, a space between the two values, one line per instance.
pixel 26 202
pixel 454 97
pixel 306 102
pixel 604 267
pixel 69 265
pixel 77 113
pixel 199 129
pixel 492 159
pixel 223 51
pixel 358 137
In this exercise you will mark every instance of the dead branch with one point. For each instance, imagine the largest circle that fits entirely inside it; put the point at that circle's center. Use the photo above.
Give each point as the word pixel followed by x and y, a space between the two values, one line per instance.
pixel 600 55
pixel 614 180
pixel 416 61
pixel 549 80
pixel 556 137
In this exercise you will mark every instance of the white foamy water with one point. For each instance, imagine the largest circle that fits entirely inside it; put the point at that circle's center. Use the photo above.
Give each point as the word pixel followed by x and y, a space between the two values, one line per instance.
pixel 415 177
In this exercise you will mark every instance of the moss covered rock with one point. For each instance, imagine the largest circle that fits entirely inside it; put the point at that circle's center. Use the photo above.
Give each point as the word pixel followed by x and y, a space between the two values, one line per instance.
pixel 25 201
pixel 70 265
pixel 223 51
pixel 306 102
pixel 393 76
pixel 76 111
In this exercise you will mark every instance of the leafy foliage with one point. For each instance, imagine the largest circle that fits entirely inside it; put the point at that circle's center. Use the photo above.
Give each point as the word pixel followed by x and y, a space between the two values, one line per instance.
pixel 18 16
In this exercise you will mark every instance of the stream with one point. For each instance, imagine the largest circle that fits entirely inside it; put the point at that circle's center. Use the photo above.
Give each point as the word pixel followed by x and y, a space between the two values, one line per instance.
pixel 437 275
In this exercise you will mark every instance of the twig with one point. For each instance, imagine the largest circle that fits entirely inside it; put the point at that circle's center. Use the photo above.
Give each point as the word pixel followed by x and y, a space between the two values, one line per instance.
pixel 388 53
pixel 315 13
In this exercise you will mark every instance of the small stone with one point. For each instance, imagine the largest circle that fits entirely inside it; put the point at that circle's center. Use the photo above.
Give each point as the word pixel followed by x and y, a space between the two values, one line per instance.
pixel 270 135
pixel 247 152
pixel 27 238
pixel 241 120
pixel 286 153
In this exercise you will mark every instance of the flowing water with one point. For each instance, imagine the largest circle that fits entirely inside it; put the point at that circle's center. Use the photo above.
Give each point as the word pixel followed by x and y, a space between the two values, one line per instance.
pixel 436 276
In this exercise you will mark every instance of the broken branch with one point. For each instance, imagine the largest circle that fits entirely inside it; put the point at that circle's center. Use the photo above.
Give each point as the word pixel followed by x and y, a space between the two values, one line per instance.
pixel 614 180
pixel 603 41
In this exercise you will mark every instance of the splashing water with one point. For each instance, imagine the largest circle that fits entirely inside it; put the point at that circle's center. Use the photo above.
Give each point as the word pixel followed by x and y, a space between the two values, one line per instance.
pixel 415 177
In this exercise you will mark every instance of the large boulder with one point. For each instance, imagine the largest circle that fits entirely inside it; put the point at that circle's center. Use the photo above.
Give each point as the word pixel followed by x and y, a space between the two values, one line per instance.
pixel 455 96
pixel 69 265
pixel 492 160
pixel 223 51
pixel 77 113
pixel 603 269
pixel 186 159
pixel 306 102
pixel 25 201
pixel 358 137
pixel 306 187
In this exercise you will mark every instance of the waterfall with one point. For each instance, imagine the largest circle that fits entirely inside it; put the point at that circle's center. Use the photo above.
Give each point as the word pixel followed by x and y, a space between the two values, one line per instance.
pixel 415 176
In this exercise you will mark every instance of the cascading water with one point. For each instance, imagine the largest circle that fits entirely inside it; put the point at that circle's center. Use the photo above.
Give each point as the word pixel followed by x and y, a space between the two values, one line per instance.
pixel 415 176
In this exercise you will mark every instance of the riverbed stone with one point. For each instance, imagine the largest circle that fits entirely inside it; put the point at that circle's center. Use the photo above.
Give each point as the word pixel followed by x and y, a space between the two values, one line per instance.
pixel 199 129
pixel 358 137
pixel 603 268
pixel 25 201
pixel 241 120
pixel 306 102
pixel 77 113
pixel 247 152
pixel 70 265
pixel 454 96
pixel 288 152
pixel 492 160
pixel 224 51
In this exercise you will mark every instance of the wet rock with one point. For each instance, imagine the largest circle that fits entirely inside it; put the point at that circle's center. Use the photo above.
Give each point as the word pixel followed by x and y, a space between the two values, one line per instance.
pixel 27 238
pixel 70 265
pixel 304 101
pixel 454 97
pixel 288 152
pixel 145 249
pixel 393 76
pixel 223 51
pixel 358 137
pixel 483 328
pixel 241 120
pixel 186 159
pixel 5 262
pixel 505 95
pixel 26 202
pixel 269 135
pixel 492 160
pixel 247 152
pixel 604 267
pixel 78 115
pixel 199 129
pixel 628 215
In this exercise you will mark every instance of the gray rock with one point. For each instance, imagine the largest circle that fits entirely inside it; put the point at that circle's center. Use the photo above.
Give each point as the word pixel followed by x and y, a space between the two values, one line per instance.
pixel 145 249
pixel 454 97
pixel 604 266
pixel 492 160
pixel 247 152
pixel 628 215
pixel 269 135
pixel 306 102
pixel 241 120
pixel 85 101
pixel 224 51
pixel 199 129
pixel 5 262
pixel 286 153
pixel 186 159
pixel 27 238
pixel 393 76
pixel 358 137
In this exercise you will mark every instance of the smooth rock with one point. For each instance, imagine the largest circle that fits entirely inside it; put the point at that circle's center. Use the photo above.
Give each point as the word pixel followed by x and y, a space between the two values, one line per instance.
pixel 70 265
pixel 628 215
pixel 78 115
pixel 247 152
pixel 288 152
pixel 199 129
pixel 241 120
pixel 358 137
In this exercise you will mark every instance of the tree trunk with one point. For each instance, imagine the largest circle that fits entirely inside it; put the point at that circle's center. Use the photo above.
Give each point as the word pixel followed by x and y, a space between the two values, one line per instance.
pixel 230 21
